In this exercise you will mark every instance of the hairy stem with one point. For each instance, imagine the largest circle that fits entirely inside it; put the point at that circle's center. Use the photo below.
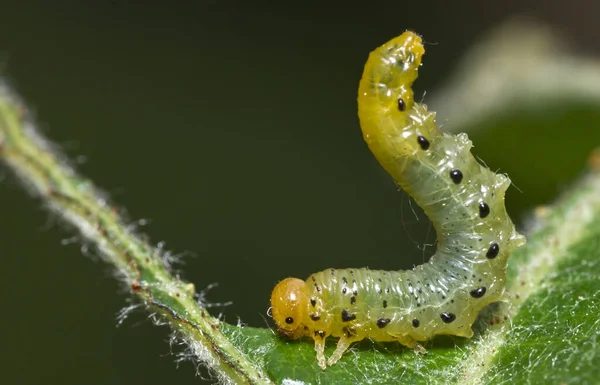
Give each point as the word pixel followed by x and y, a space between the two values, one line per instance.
pixel 141 265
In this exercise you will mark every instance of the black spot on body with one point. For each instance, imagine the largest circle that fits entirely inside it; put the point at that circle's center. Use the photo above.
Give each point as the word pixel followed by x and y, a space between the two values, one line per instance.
pixel 423 142
pixel 320 333
pixel 344 290
pixel 493 251
pixel 401 104
pixel 484 210
pixel 314 317
pixel 352 300
pixel 383 322
pixel 344 280
pixel 346 317
pixel 456 176
pixel 478 293
pixel 447 317
pixel 313 302
pixel 289 320
pixel 384 304
pixel 416 323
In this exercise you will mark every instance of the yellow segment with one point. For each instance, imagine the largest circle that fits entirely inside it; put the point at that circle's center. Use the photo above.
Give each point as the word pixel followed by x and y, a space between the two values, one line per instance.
pixel 388 76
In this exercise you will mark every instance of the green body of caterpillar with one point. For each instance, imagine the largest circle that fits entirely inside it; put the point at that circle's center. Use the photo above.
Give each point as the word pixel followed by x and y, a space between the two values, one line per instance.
pixel 463 199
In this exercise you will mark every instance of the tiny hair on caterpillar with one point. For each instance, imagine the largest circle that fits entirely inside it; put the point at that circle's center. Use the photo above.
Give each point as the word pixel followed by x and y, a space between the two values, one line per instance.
pixel 464 201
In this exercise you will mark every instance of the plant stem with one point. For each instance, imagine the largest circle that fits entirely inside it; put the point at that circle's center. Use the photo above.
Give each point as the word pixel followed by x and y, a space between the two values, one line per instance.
pixel 141 265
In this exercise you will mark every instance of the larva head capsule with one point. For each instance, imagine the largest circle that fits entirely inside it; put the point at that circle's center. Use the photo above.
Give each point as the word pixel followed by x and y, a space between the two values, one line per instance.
pixel 289 302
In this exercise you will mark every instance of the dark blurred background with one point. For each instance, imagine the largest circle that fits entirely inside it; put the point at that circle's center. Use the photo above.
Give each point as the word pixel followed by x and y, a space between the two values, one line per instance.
pixel 233 129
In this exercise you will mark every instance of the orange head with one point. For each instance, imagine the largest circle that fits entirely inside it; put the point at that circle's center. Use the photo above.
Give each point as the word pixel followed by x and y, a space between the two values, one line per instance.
pixel 289 302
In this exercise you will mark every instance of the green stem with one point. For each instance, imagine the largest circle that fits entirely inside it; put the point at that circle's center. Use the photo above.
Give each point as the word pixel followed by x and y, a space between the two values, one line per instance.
pixel 140 265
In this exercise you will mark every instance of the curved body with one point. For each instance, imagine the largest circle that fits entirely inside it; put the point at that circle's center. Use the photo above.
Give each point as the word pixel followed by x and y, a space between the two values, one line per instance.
pixel 463 199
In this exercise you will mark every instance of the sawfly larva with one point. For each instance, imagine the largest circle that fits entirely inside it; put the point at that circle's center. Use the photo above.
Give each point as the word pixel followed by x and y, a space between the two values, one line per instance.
pixel 464 201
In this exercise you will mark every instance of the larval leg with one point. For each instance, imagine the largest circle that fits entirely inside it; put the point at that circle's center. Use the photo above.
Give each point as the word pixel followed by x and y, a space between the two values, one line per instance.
pixel 320 349
pixel 342 345
pixel 411 343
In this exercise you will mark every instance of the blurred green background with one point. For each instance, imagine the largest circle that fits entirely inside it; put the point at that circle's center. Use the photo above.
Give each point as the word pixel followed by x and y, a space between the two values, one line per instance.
pixel 233 129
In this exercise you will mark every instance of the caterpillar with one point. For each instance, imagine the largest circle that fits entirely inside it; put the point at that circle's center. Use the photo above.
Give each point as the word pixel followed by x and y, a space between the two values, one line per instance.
pixel 464 201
